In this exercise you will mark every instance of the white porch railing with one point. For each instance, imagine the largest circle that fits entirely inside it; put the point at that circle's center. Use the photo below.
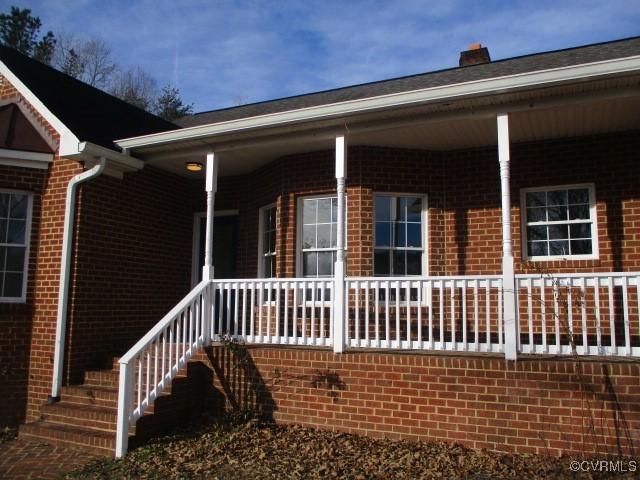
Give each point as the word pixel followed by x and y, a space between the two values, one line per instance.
pixel 433 313
pixel 584 314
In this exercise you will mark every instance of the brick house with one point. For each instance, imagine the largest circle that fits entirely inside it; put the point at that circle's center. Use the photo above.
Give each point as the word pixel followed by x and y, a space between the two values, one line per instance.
pixel 422 257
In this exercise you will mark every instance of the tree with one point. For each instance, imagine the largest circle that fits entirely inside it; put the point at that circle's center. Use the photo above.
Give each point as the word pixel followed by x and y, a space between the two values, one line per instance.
pixel 136 87
pixel 20 30
pixel 169 105
pixel 87 60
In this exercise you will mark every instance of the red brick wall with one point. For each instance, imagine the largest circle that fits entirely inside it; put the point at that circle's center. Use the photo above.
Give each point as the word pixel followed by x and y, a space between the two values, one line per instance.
pixel 463 189
pixel 16 318
pixel 132 262
pixel 544 406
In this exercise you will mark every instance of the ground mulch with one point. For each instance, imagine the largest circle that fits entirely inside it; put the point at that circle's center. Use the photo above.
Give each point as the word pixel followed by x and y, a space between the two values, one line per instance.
pixel 255 451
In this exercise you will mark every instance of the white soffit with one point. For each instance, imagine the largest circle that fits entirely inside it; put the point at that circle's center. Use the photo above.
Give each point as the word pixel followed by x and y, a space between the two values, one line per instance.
pixel 19 158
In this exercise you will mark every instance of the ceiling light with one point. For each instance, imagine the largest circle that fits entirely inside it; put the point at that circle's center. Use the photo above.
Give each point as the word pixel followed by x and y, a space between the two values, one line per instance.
pixel 193 166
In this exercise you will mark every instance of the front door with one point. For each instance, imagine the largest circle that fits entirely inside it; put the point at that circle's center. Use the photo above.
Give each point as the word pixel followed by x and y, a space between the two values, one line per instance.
pixel 225 241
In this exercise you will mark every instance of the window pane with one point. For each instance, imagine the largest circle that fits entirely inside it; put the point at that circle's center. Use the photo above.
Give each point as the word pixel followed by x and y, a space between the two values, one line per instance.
pixel 537 233
pixel 557 213
pixel 537 249
pixel 558 232
pixel 580 247
pixel 15 259
pixel 268 264
pixel 414 263
pixel 580 230
pixel 334 235
pixel 334 210
pixel 325 263
pixel 4 226
pixel 400 238
pixel 398 267
pixel 324 210
pixel 383 234
pixel 557 197
pixel 309 211
pixel 18 206
pixel 382 208
pixel 4 205
pixel 536 199
pixel 16 231
pixel 579 195
pixel 310 264
pixel 12 285
pixel 309 236
pixel 538 214
pixel 3 256
pixel 324 236
pixel 381 262
pixel 414 209
pixel 559 248
pixel 272 241
pixel 577 212
pixel 414 235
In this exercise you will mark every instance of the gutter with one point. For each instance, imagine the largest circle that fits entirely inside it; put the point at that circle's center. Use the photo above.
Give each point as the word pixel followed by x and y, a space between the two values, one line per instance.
pixel 101 160
pixel 494 85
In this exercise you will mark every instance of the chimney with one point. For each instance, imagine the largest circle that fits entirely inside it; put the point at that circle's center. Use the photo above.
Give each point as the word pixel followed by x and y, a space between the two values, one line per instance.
pixel 475 55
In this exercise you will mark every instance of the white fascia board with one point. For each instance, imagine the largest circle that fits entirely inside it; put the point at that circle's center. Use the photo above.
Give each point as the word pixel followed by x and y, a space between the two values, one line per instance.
pixel 415 97
pixel 68 141
pixel 19 158
pixel 117 163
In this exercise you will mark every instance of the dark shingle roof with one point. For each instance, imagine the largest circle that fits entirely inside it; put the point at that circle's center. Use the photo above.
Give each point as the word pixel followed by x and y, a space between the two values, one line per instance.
pixel 91 114
pixel 528 63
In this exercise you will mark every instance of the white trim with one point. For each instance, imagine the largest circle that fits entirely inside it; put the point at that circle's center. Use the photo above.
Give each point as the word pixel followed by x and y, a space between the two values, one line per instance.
pixel 20 158
pixel 299 231
pixel 68 141
pixel 421 96
pixel 424 231
pixel 195 245
pixel 261 255
pixel 593 220
pixel 27 239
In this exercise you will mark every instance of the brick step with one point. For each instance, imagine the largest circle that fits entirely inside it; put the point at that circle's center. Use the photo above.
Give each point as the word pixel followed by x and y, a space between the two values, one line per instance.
pixel 88 395
pixel 88 417
pixel 101 378
pixel 99 443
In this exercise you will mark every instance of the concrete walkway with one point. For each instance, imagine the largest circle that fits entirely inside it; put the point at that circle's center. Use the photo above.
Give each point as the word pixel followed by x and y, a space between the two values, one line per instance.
pixel 25 459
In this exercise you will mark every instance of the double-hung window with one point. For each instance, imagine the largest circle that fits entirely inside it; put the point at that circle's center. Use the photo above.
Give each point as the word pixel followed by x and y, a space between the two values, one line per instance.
pixel 559 222
pixel 15 225
pixel 267 266
pixel 319 235
pixel 399 235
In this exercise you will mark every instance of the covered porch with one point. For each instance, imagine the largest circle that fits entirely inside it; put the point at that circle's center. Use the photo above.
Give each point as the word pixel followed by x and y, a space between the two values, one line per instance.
pixel 487 279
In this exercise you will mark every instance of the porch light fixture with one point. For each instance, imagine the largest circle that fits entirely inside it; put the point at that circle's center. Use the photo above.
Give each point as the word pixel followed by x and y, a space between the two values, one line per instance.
pixel 193 166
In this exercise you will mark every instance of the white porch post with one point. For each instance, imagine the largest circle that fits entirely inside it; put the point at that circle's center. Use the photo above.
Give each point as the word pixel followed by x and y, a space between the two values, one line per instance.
pixel 211 185
pixel 508 274
pixel 339 270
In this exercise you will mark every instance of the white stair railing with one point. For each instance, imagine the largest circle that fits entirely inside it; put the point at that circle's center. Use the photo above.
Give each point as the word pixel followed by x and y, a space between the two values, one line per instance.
pixel 154 361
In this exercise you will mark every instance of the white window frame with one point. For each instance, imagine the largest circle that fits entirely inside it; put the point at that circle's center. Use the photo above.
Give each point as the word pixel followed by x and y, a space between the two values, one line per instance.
pixel 261 254
pixel 27 239
pixel 299 231
pixel 424 232
pixel 593 217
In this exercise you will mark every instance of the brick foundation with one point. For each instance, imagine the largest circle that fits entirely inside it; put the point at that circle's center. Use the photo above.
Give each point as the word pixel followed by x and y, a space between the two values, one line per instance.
pixel 543 406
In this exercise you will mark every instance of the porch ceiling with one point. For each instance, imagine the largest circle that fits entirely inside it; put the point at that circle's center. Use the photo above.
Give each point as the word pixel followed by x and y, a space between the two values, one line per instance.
pixel 570 110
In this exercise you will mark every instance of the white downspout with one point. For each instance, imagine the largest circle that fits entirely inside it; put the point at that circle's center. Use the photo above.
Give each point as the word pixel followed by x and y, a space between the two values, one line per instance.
pixel 65 266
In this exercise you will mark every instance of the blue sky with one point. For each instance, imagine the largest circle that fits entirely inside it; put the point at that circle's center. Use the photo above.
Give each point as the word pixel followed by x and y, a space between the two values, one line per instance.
pixel 220 53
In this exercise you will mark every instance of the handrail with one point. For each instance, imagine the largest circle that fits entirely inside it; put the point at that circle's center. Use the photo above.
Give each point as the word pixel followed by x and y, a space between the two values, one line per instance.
pixel 158 327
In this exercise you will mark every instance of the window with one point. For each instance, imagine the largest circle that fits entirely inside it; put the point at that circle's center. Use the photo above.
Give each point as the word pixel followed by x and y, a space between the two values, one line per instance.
pixel 15 226
pixel 559 222
pixel 267 241
pixel 399 235
pixel 319 221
